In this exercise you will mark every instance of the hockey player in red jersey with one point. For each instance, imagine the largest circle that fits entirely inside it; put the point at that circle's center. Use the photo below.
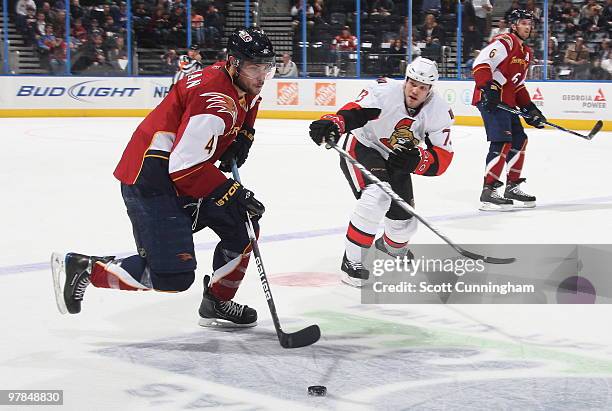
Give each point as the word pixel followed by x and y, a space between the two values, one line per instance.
pixel 172 188
pixel 395 129
pixel 500 71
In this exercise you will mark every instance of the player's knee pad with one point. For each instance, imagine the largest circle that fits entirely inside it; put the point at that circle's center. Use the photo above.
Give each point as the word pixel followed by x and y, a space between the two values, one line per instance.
pixel 172 282
pixel 374 202
pixel 400 231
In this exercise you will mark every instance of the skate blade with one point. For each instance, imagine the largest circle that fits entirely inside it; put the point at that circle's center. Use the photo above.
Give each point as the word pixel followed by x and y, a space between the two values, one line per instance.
pixel 353 282
pixel 58 269
pixel 524 204
pixel 218 323
pixel 495 207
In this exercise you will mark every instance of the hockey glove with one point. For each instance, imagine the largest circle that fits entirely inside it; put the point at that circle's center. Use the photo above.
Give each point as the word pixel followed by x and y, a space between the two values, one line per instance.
pixel 327 129
pixel 237 200
pixel 490 95
pixel 239 149
pixel 404 158
pixel 534 116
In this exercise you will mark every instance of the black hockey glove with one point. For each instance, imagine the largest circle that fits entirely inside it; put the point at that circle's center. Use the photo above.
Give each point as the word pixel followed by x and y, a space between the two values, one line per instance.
pixel 404 158
pixel 237 199
pixel 534 116
pixel 328 128
pixel 491 95
pixel 239 150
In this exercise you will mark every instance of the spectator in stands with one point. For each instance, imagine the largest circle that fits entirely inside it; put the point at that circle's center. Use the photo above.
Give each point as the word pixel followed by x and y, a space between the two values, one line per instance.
pixel 597 72
pixel 433 37
pixel 170 61
pixel 593 23
pixel 213 24
pixel 535 11
pixel 584 10
pixel 197 27
pixel 430 7
pixel 606 55
pixel 577 56
pixel 79 32
pixel 606 14
pixel 41 25
pixel 467 70
pixel 117 55
pixel 287 68
pixel 343 45
pixel 178 26
pixel 395 59
pixel 21 14
pixel 383 8
pixel 120 16
pixel 403 31
pixel 296 14
pixel 109 27
pixel 472 38
pixel 502 27
pixel 482 10
pixel 572 23
pixel 160 25
pixel 76 11
pixel 30 34
pixel 57 59
pixel 46 43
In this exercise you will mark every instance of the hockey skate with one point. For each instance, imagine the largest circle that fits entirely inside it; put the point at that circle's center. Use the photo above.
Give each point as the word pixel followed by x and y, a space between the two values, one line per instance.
pixel 70 278
pixel 224 314
pixel 514 192
pixel 393 252
pixel 491 201
pixel 353 273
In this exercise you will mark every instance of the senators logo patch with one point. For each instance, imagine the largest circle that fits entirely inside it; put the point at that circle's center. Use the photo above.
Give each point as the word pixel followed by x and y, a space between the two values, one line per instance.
pixel 221 103
pixel 401 130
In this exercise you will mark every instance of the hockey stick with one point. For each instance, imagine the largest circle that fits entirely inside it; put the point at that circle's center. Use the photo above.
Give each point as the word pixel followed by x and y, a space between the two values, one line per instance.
pixel 596 128
pixel 301 338
pixel 410 210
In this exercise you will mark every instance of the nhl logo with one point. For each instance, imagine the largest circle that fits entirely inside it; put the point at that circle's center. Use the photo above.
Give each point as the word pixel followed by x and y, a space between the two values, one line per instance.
pixel 245 36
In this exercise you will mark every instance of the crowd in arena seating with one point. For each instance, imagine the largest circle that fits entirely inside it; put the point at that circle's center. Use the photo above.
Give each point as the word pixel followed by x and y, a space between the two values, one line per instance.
pixel 98 30
pixel 579 43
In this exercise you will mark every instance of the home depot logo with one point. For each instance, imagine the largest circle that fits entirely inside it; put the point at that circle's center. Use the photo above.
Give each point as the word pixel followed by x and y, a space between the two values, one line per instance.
pixel 287 93
pixel 325 94
pixel 588 100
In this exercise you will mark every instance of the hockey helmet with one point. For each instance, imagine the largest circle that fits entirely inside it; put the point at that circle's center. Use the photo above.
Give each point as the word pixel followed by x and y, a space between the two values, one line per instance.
pixel 250 44
pixel 422 70
pixel 519 14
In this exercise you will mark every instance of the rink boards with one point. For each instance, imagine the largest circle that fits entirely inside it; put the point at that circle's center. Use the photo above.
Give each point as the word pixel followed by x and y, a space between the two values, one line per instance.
pixel 574 105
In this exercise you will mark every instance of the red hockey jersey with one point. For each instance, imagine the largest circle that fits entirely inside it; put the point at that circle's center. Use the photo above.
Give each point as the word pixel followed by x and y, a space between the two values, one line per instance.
pixel 187 133
pixel 506 61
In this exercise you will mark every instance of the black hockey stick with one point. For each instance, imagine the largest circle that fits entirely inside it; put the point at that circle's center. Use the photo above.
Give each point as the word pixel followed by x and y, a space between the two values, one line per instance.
pixel 409 209
pixel 301 338
pixel 596 128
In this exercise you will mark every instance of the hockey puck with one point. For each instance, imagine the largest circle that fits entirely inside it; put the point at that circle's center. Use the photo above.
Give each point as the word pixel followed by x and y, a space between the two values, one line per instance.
pixel 317 390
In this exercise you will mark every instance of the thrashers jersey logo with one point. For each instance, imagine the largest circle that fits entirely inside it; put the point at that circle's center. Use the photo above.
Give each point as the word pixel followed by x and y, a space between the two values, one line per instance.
pixel 221 103
pixel 401 130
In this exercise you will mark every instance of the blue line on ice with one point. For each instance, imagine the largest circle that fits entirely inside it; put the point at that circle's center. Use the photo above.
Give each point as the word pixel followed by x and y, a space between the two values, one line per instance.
pixel 300 235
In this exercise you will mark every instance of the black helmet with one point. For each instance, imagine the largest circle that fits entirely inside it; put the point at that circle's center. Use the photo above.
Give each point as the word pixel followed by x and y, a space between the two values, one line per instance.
pixel 519 14
pixel 250 44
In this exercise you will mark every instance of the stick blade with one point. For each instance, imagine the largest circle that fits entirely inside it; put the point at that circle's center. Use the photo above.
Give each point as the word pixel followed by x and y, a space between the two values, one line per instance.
pixel 489 260
pixel 302 338
pixel 596 128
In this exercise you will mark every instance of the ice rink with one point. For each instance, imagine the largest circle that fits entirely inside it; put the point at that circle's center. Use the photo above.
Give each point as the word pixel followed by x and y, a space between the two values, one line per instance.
pixel 142 351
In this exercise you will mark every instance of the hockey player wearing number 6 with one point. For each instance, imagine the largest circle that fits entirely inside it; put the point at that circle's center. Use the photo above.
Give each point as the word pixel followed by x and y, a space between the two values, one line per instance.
pixel 500 71
pixel 395 129
pixel 172 188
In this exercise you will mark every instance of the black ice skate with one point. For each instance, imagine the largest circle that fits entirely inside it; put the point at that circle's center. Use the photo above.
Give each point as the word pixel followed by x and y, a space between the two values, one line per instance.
pixel 514 192
pixel 354 273
pixel 491 201
pixel 224 314
pixel 393 252
pixel 70 278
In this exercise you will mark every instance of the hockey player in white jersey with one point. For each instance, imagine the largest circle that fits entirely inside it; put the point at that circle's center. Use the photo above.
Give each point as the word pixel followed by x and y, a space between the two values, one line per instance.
pixel 394 128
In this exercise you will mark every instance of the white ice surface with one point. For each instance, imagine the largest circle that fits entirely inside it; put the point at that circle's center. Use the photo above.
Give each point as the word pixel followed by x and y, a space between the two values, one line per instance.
pixel 145 351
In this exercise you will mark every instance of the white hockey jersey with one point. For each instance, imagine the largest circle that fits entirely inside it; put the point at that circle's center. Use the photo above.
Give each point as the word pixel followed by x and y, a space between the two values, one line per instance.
pixel 430 124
